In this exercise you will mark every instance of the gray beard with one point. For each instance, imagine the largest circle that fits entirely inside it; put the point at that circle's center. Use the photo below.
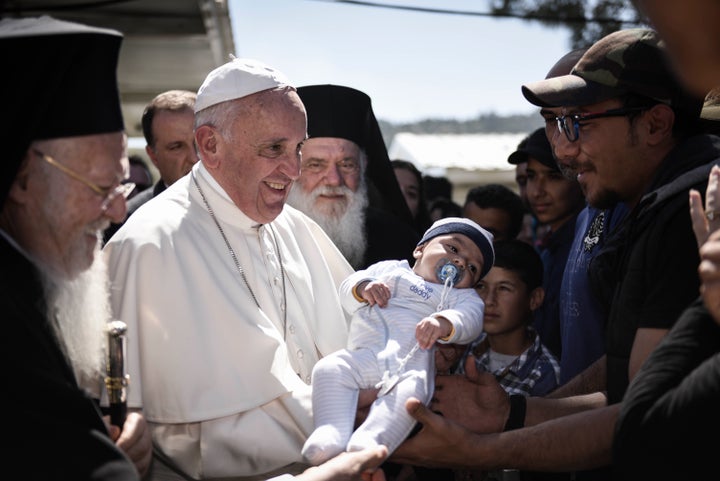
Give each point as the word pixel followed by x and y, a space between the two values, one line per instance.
pixel 79 310
pixel 345 228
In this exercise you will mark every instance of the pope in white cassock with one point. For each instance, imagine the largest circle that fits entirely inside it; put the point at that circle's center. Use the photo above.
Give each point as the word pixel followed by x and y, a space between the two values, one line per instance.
pixel 230 296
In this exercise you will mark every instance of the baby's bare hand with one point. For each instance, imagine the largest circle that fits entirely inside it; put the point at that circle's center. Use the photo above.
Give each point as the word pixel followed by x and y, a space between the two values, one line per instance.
pixel 428 331
pixel 376 292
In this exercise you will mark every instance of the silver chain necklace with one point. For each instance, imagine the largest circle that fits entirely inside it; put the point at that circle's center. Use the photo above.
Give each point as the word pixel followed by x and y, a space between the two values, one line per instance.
pixel 283 306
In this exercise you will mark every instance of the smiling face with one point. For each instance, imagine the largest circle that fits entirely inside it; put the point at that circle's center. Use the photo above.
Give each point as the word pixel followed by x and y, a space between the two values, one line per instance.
pixel 58 218
pixel 609 159
pixel 257 159
pixel 331 173
pixel 553 198
pixel 453 248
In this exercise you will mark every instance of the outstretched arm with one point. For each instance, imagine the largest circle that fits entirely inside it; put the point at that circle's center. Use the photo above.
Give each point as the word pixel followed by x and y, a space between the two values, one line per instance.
pixel 478 402
pixel 576 442
pixel 430 329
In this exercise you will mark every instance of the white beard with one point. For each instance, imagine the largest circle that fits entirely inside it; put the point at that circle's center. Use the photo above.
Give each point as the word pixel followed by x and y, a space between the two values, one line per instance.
pixel 346 227
pixel 80 310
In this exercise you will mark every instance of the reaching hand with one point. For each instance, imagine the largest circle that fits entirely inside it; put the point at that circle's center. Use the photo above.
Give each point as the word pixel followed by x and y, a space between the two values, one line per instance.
pixel 706 221
pixel 349 466
pixel 475 401
pixel 135 441
pixel 706 224
pixel 440 442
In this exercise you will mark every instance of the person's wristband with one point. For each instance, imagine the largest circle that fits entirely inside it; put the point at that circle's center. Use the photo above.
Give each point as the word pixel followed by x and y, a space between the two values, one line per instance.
pixel 355 292
pixel 356 295
pixel 516 419
pixel 449 336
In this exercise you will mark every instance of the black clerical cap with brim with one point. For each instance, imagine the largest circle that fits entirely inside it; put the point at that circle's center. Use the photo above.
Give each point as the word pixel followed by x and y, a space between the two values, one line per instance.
pixel 536 146
pixel 346 113
pixel 60 80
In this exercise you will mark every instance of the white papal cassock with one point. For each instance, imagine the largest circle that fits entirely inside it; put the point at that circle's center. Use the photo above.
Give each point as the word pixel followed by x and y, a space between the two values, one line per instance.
pixel 224 385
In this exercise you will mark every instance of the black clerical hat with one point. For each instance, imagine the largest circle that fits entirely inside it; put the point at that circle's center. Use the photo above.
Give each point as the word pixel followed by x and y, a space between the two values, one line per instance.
pixel 346 113
pixel 59 80
pixel 537 146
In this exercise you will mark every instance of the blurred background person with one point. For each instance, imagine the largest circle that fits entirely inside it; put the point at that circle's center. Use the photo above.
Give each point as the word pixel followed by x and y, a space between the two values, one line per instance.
pixel 555 201
pixel 442 207
pixel 168 125
pixel 530 227
pixel 411 184
pixel 496 208
pixel 692 38
pixel 139 174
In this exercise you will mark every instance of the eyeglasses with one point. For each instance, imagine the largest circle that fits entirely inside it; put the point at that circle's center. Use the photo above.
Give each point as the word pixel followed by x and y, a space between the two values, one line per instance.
pixel 108 194
pixel 570 124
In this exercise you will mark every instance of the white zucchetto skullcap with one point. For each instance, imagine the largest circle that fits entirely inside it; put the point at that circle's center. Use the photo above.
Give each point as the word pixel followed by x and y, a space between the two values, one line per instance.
pixel 238 78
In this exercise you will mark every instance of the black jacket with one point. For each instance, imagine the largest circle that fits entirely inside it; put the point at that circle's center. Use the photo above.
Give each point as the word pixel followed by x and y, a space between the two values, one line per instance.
pixel 388 238
pixel 647 269
pixel 669 416
pixel 53 429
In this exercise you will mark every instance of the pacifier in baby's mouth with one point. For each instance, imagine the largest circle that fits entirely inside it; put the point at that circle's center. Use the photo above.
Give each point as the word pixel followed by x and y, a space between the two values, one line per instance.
pixel 447 270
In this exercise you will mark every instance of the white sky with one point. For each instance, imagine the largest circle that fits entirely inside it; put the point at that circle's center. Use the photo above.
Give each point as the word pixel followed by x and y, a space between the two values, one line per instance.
pixel 414 65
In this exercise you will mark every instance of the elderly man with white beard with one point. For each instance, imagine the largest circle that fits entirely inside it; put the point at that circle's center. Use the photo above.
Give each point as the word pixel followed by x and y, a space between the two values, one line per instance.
pixel 347 184
pixel 60 186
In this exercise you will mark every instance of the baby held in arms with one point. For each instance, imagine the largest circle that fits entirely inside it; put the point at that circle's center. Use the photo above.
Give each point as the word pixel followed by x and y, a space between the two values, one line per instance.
pixel 398 314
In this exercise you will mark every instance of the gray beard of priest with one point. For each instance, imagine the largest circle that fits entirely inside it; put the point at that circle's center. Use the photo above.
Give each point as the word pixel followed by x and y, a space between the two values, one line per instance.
pixel 345 226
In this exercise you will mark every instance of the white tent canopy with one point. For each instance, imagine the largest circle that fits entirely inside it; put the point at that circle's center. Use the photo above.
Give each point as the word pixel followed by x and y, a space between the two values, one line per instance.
pixel 485 152
pixel 466 160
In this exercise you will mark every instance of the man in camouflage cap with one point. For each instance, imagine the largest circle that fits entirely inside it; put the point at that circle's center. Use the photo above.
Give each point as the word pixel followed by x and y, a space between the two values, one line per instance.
pixel 625 128
pixel 627 131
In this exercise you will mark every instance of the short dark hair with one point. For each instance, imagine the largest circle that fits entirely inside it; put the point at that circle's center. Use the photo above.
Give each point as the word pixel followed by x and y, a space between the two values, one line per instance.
pixel 684 125
pixel 172 100
pixel 521 258
pixel 410 167
pixel 437 187
pixel 448 207
pixel 501 197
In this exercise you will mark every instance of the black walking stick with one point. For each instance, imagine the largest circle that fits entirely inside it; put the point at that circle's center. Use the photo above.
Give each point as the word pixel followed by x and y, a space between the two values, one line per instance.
pixel 116 381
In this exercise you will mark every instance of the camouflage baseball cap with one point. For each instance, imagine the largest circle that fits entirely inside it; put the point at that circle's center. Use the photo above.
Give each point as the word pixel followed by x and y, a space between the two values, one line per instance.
pixel 627 61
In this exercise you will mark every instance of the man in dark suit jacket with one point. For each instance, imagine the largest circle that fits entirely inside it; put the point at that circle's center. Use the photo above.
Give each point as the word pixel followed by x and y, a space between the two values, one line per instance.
pixel 168 123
